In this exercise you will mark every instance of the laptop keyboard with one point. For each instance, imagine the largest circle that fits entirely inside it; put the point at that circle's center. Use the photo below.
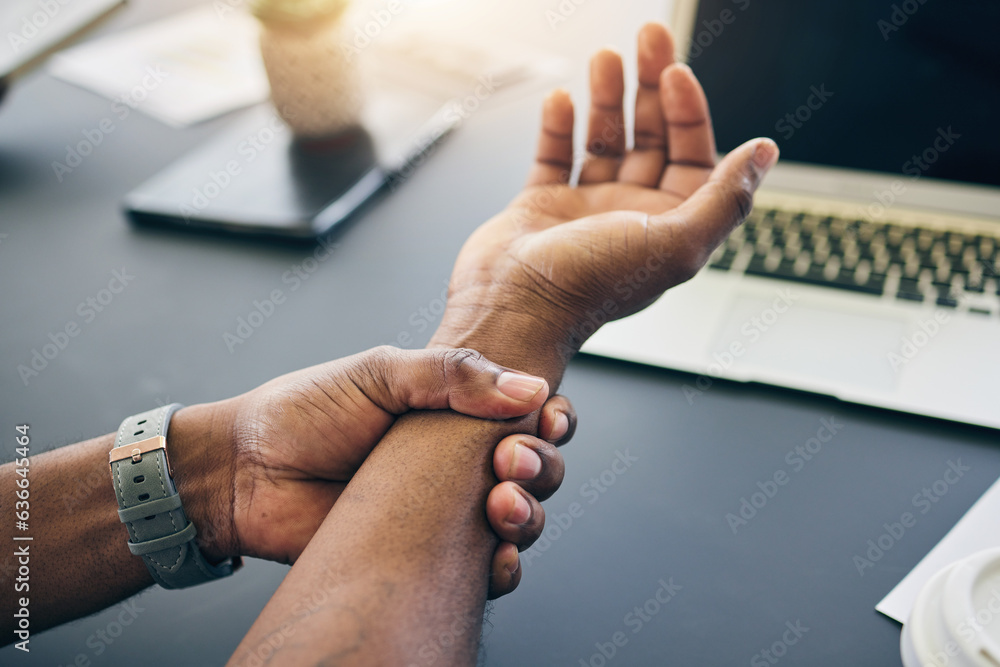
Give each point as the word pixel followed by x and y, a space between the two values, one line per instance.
pixel 946 268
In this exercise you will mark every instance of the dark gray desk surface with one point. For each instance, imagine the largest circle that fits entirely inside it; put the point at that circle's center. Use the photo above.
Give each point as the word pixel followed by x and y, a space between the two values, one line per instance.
pixel 664 517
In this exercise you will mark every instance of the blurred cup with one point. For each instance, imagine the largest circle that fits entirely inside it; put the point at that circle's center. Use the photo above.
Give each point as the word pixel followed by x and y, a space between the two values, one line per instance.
pixel 313 72
pixel 956 619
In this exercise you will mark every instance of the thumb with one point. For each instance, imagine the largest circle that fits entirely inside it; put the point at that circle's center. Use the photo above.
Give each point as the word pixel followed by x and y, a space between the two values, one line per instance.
pixel 708 216
pixel 457 378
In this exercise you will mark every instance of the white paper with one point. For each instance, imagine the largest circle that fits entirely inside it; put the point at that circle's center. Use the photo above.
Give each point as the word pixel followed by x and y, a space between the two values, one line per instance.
pixel 202 63
pixel 181 70
pixel 976 531
pixel 455 65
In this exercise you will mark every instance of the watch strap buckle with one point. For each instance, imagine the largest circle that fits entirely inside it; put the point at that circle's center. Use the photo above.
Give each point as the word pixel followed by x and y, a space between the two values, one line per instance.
pixel 136 450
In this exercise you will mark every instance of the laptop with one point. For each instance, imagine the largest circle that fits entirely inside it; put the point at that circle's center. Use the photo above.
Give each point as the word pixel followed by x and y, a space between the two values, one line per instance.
pixel 869 268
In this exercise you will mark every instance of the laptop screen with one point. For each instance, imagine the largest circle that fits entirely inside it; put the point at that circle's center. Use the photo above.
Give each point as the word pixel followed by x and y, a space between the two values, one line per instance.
pixel 907 87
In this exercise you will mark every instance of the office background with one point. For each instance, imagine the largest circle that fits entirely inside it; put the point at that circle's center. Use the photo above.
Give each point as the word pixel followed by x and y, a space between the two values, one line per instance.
pixel 658 516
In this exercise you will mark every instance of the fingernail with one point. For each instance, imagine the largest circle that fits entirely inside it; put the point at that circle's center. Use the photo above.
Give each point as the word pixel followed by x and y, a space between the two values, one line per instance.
pixel 525 463
pixel 519 387
pixel 765 155
pixel 520 512
pixel 561 427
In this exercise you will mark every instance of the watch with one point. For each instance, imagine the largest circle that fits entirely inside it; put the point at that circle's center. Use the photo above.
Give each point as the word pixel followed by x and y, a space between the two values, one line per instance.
pixel 150 507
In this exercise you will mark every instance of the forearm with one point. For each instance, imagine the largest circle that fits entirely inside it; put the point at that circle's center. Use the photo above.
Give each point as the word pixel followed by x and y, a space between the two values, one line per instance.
pixel 397 574
pixel 78 560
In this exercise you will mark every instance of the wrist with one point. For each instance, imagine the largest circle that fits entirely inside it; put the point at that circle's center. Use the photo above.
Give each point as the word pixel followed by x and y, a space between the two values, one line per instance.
pixel 201 460
pixel 525 341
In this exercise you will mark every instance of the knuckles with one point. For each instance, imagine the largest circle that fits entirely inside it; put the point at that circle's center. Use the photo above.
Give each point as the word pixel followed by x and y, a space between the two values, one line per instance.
pixel 461 364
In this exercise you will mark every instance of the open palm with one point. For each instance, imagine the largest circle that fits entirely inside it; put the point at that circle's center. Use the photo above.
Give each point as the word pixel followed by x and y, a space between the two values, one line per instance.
pixel 640 220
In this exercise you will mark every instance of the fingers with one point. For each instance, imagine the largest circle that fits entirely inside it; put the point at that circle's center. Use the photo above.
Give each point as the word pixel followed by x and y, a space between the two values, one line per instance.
pixel 531 463
pixel 460 379
pixel 529 470
pixel 690 141
pixel 537 467
pixel 644 163
pixel 606 129
pixel 505 572
pixel 557 423
pixel 554 157
pixel 695 228
pixel 514 515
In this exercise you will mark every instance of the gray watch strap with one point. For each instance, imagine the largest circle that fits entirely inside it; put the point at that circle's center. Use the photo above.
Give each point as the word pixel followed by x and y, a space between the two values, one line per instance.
pixel 149 506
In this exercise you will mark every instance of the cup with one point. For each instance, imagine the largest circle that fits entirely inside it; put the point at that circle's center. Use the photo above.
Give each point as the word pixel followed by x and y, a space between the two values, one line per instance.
pixel 314 76
pixel 955 621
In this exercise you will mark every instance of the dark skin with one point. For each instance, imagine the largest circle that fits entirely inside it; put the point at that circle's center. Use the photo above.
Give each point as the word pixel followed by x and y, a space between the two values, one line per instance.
pixel 402 568
pixel 258 473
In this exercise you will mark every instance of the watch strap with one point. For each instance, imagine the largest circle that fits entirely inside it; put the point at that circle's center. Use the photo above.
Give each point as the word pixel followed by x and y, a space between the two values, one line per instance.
pixel 150 507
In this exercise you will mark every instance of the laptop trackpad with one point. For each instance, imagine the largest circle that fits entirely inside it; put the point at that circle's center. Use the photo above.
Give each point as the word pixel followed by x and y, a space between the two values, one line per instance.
pixel 774 335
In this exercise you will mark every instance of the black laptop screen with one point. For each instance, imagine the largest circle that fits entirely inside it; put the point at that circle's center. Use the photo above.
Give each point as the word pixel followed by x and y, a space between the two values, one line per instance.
pixel 907 87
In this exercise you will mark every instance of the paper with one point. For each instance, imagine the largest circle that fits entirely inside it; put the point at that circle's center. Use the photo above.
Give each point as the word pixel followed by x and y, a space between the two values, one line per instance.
pixel 181 70
pixel 203 63
pixel 975 531
pixel 456 65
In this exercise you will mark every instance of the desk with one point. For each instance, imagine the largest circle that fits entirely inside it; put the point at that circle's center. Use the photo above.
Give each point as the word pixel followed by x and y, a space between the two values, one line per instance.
pixel 667 470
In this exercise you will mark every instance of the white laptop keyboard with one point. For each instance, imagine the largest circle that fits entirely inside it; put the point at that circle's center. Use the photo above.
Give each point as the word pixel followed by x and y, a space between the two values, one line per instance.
pixel 891 260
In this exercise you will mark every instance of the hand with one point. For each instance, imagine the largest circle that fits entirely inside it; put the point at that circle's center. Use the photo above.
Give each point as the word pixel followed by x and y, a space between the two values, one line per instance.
pixel 563 259
pixel 296 441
